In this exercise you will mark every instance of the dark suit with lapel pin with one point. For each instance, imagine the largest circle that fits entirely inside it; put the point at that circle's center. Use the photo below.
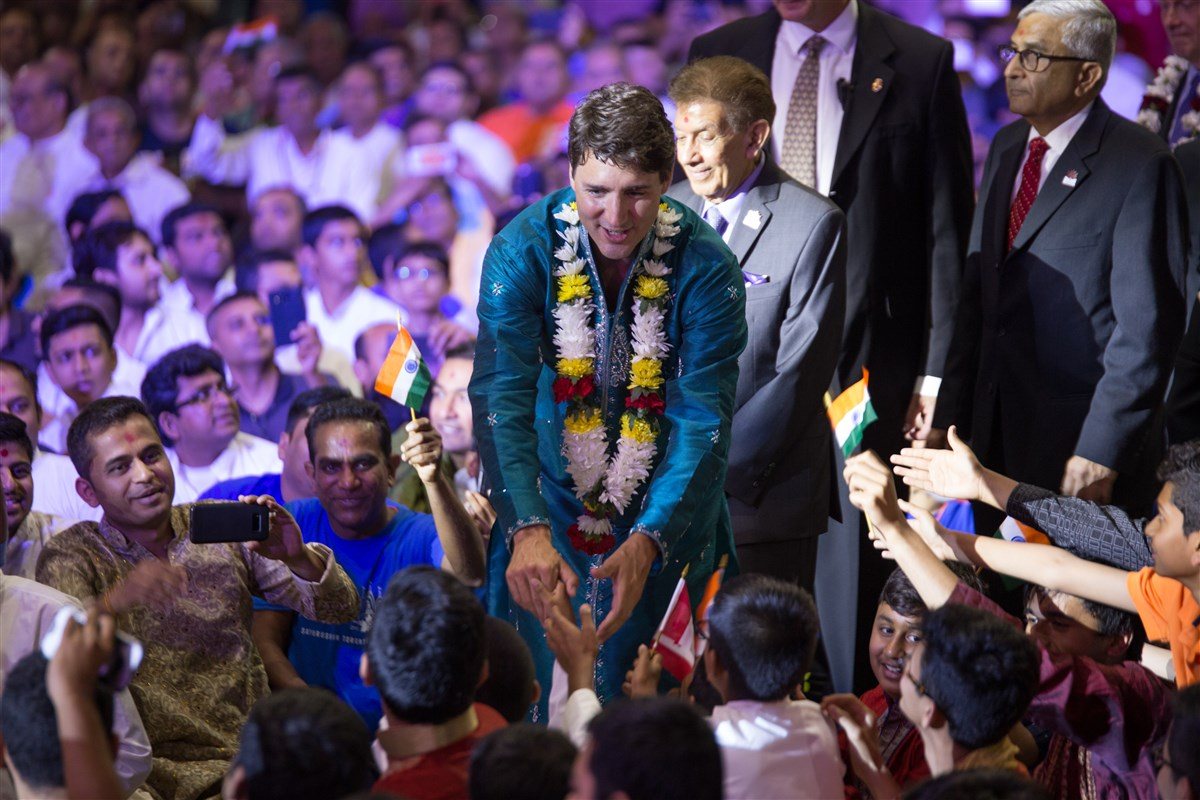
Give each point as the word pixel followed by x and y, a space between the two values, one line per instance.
pixel 779 479
pixel 1064 343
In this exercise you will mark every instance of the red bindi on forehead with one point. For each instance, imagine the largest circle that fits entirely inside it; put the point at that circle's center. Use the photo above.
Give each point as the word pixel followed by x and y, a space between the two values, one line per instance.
pixel 129 437
pixel 3 452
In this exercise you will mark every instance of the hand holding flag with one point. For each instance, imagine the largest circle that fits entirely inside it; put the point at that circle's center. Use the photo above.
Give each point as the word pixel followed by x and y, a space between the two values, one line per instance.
pixel 850 414
pixel 676 639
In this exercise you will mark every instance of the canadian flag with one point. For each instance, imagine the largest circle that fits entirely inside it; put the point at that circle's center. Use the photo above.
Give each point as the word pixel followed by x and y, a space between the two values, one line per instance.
pixel 676 637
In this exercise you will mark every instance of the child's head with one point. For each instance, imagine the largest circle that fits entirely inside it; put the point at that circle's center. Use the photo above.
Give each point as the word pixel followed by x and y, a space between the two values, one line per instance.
pixel 1179 775
pixel 522 762
pixel 1073 626
pixel 333 245
pixel 971 679
pixel 511 686
pixel 762 635
pixel 426 648
pixel 1174 532
pixel 418 277
pixel 897 627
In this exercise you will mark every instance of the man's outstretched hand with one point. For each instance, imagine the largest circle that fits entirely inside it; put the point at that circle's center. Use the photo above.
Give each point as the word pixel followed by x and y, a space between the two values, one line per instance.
pixel 534 557
pixel 628 568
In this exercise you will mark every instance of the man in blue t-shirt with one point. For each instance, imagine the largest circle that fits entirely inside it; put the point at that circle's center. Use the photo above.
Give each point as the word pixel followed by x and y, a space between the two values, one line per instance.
pixel 352 467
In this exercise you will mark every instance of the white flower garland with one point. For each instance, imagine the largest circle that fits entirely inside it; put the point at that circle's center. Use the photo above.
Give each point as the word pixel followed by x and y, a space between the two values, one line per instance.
pixel 1160 94
pixel 606 487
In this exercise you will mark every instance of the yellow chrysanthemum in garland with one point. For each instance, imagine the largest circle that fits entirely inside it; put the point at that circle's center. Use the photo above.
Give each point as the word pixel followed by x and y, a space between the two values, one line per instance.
pixel 645 373
pixel 663 206
pixel 572 287
pixel 650 287
pixel 583 421
pixel 633 427
pixel 575 367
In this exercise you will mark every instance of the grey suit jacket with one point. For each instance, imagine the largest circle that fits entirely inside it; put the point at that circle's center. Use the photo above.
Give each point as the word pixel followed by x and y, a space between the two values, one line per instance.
pixel 779 479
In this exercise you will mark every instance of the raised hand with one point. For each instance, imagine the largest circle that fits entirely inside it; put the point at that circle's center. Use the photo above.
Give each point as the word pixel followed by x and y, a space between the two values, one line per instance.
pixel 308 350
pixel 284 541
pixel 642 679
pixel 422 449
pixel 574 645
pixel 534 557
pixel 932 532
pixel 480 509
pixel 953 473
pixel 628 568
pixel 872 488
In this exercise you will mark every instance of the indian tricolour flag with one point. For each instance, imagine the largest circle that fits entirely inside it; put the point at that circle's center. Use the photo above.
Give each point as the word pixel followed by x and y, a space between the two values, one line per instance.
pixel 850 414
pixel 404 376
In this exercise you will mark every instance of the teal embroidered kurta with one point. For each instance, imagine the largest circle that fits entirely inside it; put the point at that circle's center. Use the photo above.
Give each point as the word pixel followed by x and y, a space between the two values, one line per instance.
pixel 518 425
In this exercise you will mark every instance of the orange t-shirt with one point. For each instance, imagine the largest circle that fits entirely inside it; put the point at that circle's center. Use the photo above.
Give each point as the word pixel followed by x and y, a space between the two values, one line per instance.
pixel 528 135
pixel 1170 613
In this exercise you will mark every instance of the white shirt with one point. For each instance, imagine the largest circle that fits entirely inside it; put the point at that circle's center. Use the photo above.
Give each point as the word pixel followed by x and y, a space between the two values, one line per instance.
pixel 837 58
pixel 59 410
pixel 245 455
pixel 180 322
pixel 27 610
pixel 150 191
pixel 26 543
pixel 339 328
pixel 54 488
pixel 487 152
pixel 730 208
pixel 1057 140
pixel 577 712
pixel 783 749
pixel 370 163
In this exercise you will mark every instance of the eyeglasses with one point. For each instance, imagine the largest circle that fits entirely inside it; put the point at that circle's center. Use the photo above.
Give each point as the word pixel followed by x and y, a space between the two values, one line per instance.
pixel 920 687
pixel 422 274
pixel 1032 60
pixel 206 395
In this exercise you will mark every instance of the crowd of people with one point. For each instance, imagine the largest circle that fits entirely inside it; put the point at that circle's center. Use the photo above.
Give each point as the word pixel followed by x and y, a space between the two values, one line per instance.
pixel 814 393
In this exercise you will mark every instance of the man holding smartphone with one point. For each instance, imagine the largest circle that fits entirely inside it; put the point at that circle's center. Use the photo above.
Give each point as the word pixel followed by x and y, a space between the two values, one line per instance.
pixel 189 604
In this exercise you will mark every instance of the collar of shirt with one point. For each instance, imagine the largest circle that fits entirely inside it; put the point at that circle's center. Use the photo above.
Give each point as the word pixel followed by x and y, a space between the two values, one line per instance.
pixel 292 147
pixel 841 33
pixel 1060 137
pixel 731 207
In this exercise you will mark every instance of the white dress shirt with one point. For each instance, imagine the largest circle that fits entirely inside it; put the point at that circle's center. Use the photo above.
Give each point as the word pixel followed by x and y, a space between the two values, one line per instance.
pixel 179 322
pixel 1056 141
pixel 370 163
pixel 27 610
pixel 150 191
pixel 782 749
pixel 54 488
pixel 245 455
pixel 341 326
pixel 837 58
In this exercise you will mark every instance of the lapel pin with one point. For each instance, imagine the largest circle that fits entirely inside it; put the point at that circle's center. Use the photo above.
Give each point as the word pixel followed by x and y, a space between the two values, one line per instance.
pixel 752 219
pixel 1070 179
pixel 877 85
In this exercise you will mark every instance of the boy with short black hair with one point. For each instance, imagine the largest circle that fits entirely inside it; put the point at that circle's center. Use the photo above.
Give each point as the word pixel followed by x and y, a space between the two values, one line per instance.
pixel 522 762
pixel 77 344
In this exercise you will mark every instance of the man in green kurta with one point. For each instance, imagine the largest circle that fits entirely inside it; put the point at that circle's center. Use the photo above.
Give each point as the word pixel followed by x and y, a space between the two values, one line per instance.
pixel 611 321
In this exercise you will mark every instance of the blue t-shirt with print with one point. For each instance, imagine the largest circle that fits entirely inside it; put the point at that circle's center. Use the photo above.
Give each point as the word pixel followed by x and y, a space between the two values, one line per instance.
pixel 328 655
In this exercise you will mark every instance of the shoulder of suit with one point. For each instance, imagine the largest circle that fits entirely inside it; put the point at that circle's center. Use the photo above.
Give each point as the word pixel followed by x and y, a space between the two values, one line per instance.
pixel 910 40
pixel 1128 135
pixel 738 31
pixel 797 196
pixel 1188 155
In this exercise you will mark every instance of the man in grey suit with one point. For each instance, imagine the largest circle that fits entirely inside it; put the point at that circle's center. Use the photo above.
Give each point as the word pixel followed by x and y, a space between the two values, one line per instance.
pixel 790 242
pixel 1072 305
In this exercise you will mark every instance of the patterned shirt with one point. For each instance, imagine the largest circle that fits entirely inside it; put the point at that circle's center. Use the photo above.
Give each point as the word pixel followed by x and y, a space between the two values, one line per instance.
pixel 201 673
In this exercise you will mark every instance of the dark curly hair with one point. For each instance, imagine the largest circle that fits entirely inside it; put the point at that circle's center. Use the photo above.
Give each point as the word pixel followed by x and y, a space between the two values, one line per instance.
pixel 1182 468
pixel 625 125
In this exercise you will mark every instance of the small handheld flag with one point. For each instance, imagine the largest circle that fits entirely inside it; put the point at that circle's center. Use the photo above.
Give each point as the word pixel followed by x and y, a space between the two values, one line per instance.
pixel 710 591
pixel 404 376
pixel 850 414
pixel 675 639
pixel 1015 531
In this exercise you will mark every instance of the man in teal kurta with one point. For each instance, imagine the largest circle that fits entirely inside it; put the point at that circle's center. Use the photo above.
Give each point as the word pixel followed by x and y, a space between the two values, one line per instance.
pixel 648 353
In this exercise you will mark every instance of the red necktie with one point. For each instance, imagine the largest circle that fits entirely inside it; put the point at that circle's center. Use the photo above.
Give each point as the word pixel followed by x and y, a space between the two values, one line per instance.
pixel 1031 175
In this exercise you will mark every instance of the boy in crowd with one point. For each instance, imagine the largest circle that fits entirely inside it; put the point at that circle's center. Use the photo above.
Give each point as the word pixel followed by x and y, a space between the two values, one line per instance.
pixel 293 482
pixel 187 603
pixel 241 333
pixel 1179 775
pixel 1106 712
pixel 18 341
pixel 28 530
pixel 186 394
pixel 276 217
pixel 522 762
pixel 197 243
pixel 426 655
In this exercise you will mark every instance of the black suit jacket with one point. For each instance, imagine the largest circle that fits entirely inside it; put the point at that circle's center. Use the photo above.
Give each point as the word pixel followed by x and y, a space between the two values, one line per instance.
pixel 1183 405
pixel 1063 345
pixel 903 177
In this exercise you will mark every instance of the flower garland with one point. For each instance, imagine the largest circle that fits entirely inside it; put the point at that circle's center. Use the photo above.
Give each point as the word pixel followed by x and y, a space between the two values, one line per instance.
pixel 604 486
pixel 1161 93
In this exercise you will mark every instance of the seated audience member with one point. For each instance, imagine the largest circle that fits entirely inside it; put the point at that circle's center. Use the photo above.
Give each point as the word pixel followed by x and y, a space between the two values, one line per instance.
pixel 122 255
pixel 18 341
pixel 187 603
pixel 276 220
pixel 187 396
pixel 241 333
pixel 532 125
pixel 197 244
pixel 81 363
pixel 28 530
pixel 418 280
pixel 894 634
pixel 165 98
pixel 978 784
pixel 648 749
pixel 395 59
pixel 92 209
pixel 54 473
pixel 1087 659
pixel 426 655
pixel 1179 775
pixel 293 482
pixel 433 218
pixel 371 144
pixel 511 685
pixel 338 305
pixel 762 636
pixel 300 744
pixel 150 190
pixel 522 762
pixel 352 465
pixel 1157 574
pixel 264 272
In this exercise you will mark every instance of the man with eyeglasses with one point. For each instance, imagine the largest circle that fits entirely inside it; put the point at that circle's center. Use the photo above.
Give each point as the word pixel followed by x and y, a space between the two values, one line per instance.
pixel 198 419
pixel 1072 303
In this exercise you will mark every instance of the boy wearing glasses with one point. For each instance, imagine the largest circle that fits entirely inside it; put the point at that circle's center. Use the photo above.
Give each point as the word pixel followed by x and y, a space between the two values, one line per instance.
pixel 198 419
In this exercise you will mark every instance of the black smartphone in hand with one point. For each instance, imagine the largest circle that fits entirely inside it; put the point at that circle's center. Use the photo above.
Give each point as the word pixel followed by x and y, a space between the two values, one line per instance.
pixel 287 312
pixel 213 523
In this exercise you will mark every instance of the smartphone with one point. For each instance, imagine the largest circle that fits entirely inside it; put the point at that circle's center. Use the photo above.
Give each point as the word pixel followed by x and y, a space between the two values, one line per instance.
pixel 427 160
pixel 287 312
pixel 127 654
pixel 214 523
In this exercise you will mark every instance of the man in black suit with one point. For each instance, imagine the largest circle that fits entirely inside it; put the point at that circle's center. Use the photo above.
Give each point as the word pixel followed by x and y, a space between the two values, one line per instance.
pixel 1072 305
pixel 893 151
pixel 1183 404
